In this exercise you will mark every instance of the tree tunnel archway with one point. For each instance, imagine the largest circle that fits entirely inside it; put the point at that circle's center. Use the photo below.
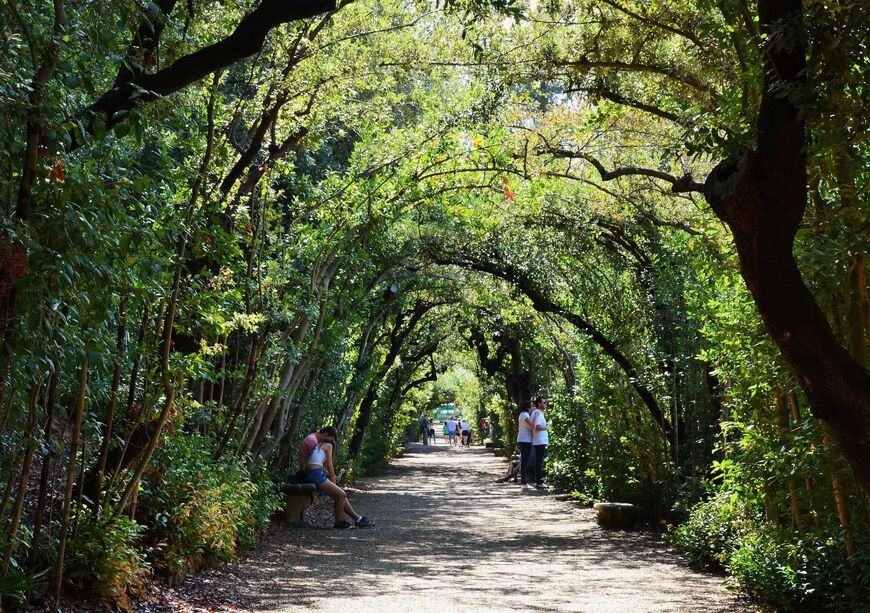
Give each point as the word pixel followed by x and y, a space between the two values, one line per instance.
pixel 221 234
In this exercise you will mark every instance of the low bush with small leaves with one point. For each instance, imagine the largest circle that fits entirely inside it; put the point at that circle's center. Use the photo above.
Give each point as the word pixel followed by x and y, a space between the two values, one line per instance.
pixel 203 510
pixel 105 558
pixel 714 528
pixel 773 564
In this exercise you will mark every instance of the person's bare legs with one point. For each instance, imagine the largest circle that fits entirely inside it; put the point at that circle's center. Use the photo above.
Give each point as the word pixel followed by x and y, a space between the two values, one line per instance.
pixel 349 510
pixel 342 506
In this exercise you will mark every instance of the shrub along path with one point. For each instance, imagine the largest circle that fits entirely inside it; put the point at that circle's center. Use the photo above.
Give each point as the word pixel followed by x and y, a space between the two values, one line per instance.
pixel 448 538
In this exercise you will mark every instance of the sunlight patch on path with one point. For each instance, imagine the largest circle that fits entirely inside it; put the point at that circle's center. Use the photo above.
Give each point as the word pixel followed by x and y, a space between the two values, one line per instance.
pixel 449 539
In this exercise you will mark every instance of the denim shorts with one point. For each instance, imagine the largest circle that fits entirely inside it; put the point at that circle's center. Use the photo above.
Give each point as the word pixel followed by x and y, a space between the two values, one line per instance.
pixel 316 476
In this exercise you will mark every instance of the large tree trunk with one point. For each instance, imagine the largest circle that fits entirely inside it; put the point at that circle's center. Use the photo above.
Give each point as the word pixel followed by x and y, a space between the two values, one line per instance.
pixel 761 195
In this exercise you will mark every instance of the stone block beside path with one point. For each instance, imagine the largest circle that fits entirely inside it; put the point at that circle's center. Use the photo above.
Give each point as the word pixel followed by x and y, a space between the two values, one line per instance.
pixel 616 515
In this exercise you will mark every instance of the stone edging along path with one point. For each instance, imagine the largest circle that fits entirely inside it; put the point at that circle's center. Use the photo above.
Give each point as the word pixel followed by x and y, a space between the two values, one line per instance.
pixel 450 539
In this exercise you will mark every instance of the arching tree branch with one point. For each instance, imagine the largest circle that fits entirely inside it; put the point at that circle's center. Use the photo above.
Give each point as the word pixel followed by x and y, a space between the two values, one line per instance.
pixel 682 184
pixel 246 40
pixel 591 65
pixel 544 304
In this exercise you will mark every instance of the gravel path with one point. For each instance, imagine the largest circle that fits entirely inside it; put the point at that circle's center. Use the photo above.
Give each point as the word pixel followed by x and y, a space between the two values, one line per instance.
pixel 450 539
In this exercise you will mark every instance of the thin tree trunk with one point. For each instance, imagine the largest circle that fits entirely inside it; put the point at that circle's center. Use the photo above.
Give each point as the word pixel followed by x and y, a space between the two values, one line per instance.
pixel 47 462
pixel 70 478
pixel 134 371
pixel 808 481
pixel 855 308
pixel 284 457
pixel 781 419
pixel 842 504
pixel 242 400
pixel 263 421
pixel 32 422
pixel 166 380
pixel 398 334
pixel 113 401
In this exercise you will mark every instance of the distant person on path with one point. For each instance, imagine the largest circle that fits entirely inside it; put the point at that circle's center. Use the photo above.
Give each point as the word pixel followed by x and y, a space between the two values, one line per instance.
pixel 524 440
pixel 483 427
pixel 444 430
pixel 424 429
pixel 430 428
pixel 319 469
pixel 466 435
pixel 540 440
pixel 451 431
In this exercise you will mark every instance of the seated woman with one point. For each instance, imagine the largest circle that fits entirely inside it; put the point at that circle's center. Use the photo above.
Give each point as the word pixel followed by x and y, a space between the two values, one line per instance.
pixel 320 471
pixel 513 469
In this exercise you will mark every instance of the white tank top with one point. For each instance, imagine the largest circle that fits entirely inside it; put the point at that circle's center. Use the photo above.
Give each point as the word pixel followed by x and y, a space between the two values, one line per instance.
pixel 318 456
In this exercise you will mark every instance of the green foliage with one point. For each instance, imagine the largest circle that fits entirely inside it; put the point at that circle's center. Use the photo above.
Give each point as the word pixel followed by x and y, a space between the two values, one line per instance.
pixel 16 584
pixel 106 559
pixel 205 509
pixel 774 565
pixel 715 528
pixel 298 257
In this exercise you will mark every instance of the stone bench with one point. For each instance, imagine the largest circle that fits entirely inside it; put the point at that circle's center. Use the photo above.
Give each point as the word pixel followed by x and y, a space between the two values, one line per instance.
pixel 297 498
pixel 616 515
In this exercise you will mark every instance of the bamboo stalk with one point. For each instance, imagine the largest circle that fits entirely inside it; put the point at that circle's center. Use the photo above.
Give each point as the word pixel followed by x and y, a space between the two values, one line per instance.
pixel 842 506
pixel 855 309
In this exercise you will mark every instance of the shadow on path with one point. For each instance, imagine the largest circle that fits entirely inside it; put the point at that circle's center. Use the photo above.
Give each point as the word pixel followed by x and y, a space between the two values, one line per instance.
pixel 448 538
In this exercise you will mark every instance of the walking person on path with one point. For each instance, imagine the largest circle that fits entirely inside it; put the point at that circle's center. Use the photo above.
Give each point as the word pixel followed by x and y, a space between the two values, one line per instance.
pixel 451 431
pixel 319 469
pixel 424 429
pixel 524 440
pixel 540 440
pixel 466 435
pixel 430 428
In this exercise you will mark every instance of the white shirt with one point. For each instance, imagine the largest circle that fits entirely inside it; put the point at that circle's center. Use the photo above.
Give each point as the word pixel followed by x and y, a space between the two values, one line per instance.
pixel 539 437
pixel 317 457
pixel 525 432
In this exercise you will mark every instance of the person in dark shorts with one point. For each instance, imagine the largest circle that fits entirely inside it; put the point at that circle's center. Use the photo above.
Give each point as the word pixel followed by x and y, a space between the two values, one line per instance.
pixel 319 470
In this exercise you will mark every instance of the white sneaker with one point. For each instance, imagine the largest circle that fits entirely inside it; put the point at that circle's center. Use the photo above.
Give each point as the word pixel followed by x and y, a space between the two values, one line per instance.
pixel 528 486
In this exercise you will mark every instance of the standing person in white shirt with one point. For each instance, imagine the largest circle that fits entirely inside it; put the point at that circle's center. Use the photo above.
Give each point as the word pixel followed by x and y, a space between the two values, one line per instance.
pixel 451 431
pixel 524 440
pixel 540 440
pixel 465 433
